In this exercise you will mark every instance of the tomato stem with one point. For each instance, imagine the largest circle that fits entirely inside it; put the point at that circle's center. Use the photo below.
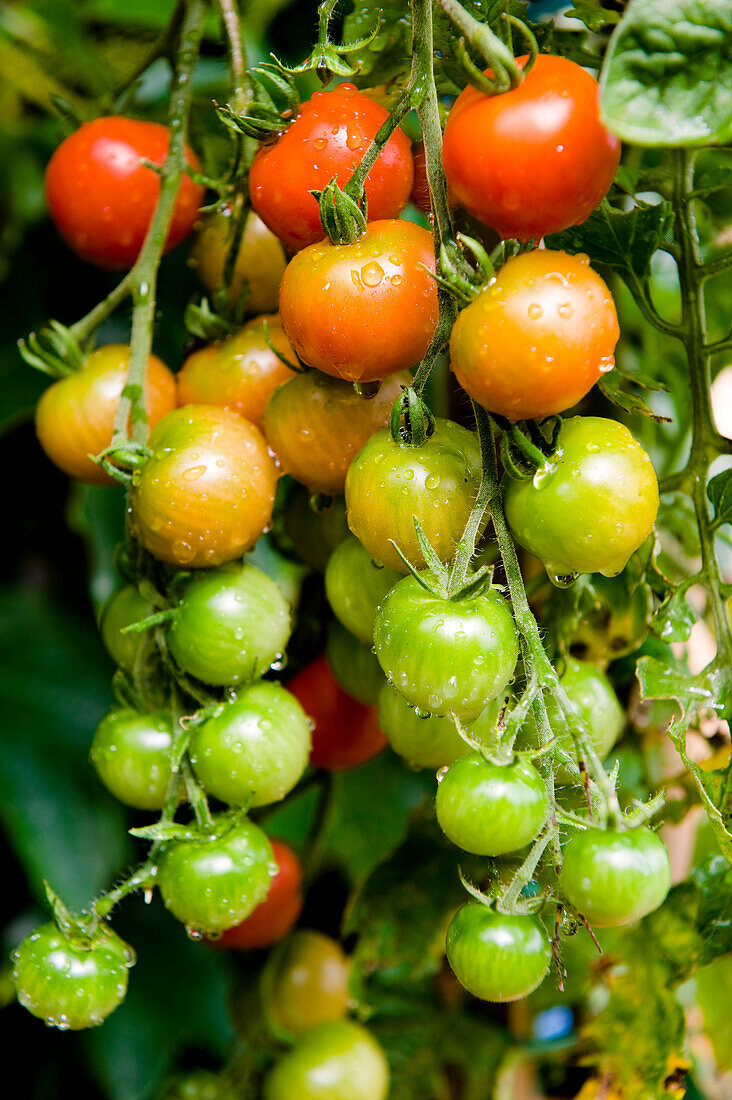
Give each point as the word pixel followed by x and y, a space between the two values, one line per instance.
pixel 498 56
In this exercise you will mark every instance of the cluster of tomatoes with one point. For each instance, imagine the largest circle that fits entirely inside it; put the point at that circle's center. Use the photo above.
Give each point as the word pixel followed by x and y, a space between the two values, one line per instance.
pixel 412 658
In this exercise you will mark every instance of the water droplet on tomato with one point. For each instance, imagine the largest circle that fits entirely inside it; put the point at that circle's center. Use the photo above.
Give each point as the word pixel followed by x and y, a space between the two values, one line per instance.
pixel 372 273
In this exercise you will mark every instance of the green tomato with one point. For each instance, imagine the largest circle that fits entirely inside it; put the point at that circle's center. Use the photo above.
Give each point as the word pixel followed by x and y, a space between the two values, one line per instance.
pixel 254 749
pixel 211 883
pixel 310 982
pixel 201 1084
pixel 131 753
pixel 339 1060
pixel 442 654
pixel 231 625
pixel 314 534
pixel 592 507
pixel 388 484
pixel 614 621
pixel 354 665
pixel 124 607
pixel 615 878
pixel 71 983
pixel 496 956
pixel 488 809
pixel 355 586
pixel 424 740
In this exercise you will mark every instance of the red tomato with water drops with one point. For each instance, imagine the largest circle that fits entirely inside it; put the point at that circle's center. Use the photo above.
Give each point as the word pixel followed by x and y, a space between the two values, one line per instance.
pixel 536 159
pixel 328 138
pixel 277 914
pixel 102 197
pixel 346 733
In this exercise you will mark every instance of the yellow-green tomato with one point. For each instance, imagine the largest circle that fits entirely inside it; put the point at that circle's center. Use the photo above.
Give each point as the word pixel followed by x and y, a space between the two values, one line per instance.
pixel 423 740
pixel 593 505
pixel 123 608
pixel 354 665
pixel 497 956
pixel 131 753
pixel 254 749
pixel 310 984
pixel 340 1060
pixel 355 586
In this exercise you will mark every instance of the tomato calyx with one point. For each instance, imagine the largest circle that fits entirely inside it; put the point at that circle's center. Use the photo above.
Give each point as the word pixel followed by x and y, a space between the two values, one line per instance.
pixel 54 350
pixel 263 119
pixel 526 452
pixel 342 212
pixel 412 422
pixel 456 276
pixel 327 56
pixel 505 71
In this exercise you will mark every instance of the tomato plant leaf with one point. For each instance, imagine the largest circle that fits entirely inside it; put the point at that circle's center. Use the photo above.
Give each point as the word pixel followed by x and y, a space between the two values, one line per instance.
pixel 719 491
pixel 674 619
pixel 593 14
pixel 623 240
pixel 655 83
pixel 714 996
pixel 659 681
pixel 612 385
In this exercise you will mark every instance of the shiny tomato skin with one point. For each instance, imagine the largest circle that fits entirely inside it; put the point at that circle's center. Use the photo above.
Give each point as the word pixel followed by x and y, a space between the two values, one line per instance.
pixel 365 310
pixel 124 607
pixel 102 198
pixel 131 753
pixel 537 338
pixel 240 373
pixel 422 740
pixel 346 733
pixel 497 957
pixel 339 1060
pixel 316 424
pixel 355 586
pixel 327 139
pixel 310 983
pixel 615 878
pixel 75 416
pixel 536 159
pixel 592 507
pixel 388 484
pixel 354 665
pixel 206 494
pixel 277 914
pixel 260 261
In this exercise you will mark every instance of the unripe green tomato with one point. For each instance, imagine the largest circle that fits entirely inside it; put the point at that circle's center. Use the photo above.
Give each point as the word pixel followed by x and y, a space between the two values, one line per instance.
pixel 131 753
pixel 497 956
pixel 444 654
pixel 254 749
pixel 490 809
pixel 231 625
pixel 424 740
pixel 354 665
pixel 340 1060
pixel 592 507
pixel 310 984
pixel 215 882
pixel 201 1084
pixel 615 878
pixel 615 625
pixel 314 533
pixel 69 983
pixel 355 586
pixel 124 607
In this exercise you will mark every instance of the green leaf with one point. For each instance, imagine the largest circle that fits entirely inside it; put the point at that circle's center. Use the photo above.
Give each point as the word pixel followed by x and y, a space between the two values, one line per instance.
pixel 667 76
pixel 593 14
pixel 714 996
pixel 612 384
pixel 660 681
pixel 623 240
pixel 674 618
pixel 719 491
pixel 165 830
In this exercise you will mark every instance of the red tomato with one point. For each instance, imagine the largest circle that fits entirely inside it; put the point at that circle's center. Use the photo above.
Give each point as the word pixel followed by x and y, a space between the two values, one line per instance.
pixel 533 160
pixel 102 197
pixel 346 733
pixel 328 138
pixel 277 914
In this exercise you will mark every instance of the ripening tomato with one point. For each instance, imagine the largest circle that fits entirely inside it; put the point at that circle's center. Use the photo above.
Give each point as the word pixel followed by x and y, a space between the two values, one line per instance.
pixel 259 266
pixel 364 310
pixel 346 733
pixel 310 982
pixel 75 416
pixel 327 139
pixel 277 914
pixel 102 197
pixel 338 1060
pixel 316 424
pixel 240 373
pixel 536 159
pixel 206 493
pixel 497 956
pixel 593 505
pixel 537 338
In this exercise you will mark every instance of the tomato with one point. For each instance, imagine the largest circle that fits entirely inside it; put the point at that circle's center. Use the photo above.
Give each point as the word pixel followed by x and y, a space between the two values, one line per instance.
pixel 364 310
pixel 124 607
pixel 354 665
pixel 615 878
pixel 199 1085
pixel 346 733
pixel 310 983
pixel 316 424
pixel 75 416
pixel 497 956
pixel 259 266
pixel 389 483
pixel 609 622
pixel 277 914
pixel 536 159
pixel 338 1060
pixel 230 625
pixel 488 809
pixel 207 492
pixel 255 748
pixel 211 883
pixel 355 586
pixel 592 507
pixel 444 654
pixel 240 373
pixel 102 197
pixel 71 983
pixel 131 753
pixel 328 138
pixel 424 740
pixel 537 338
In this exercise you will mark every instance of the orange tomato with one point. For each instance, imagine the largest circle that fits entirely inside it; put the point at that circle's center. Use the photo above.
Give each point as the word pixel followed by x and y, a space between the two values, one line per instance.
pixel 260 262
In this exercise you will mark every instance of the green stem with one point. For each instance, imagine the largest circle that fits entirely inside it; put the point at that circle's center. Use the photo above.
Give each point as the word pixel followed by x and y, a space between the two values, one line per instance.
pixel 525 873
pixel 84 328
pixel 143 875
pixel 497 54
pixel 243 92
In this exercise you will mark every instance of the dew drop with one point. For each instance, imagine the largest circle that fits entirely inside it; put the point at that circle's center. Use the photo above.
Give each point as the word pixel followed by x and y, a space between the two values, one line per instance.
pixel 372 273
pixel 535 311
